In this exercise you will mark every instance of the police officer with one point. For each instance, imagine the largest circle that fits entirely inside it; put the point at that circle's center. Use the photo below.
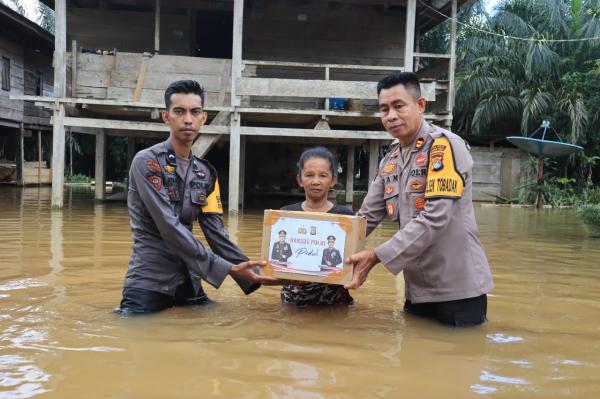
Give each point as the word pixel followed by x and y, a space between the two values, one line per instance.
pixel 281 249
pixel 331 256
pixel 169 188
pixel 424 183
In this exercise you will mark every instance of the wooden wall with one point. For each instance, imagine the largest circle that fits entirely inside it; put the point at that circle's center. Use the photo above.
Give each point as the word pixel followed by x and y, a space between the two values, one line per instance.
pixel 129 31
pixel 37 63
pixel 495 172
pixel 10 109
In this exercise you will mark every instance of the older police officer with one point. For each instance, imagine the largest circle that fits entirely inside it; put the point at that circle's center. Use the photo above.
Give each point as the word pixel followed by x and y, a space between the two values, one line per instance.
pixel 424 183
pixel 168 189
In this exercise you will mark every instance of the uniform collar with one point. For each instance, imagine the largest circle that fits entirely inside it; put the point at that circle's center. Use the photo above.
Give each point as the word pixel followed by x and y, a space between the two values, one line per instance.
pixel 421 137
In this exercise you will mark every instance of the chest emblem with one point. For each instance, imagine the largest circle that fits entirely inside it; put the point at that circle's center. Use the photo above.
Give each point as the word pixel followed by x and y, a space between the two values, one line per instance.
pixel 170 169
pixel 419 203
pixel 421 159
pixel 389 168
pixel 153 166
pixel 388 190
pixel 390 209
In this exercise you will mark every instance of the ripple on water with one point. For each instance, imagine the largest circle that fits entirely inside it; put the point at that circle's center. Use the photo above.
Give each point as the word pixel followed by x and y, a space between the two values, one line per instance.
pixel 21 284
pixel 503 338
pixel 20 378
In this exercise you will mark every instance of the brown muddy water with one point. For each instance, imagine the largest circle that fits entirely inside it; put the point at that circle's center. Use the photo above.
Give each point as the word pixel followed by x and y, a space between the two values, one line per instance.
pixel 61 275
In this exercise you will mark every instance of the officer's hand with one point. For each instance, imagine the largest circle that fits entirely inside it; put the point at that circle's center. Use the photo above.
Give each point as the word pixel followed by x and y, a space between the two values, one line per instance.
pixel 363 262
pixel 244 270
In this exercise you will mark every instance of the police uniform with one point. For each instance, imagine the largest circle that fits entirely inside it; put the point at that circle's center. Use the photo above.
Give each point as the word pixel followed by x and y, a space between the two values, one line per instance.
pixel 331 256
pixel 429 195
pixel 163 202
pixel 281 251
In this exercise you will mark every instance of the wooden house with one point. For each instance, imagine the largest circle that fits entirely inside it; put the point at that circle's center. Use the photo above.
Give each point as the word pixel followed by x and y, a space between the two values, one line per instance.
pixel 279 74
pixel 25 69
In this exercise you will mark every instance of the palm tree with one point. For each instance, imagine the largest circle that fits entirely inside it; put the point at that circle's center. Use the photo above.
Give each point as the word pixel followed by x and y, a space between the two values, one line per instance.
pixel 510 83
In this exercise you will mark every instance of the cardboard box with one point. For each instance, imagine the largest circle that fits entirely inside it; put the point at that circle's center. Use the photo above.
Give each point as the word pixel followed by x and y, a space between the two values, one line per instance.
pixel 311 246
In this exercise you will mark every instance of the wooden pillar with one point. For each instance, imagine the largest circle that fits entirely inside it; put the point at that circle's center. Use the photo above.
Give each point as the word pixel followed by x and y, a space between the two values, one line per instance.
pixel 73 68
pixel 409 49
pixel 20 155
pixel 130 150
pixel 373 159
pixel 100 164
pixel 242 168
pixel 350 174
pixel 234 139
pixel 157 26
pixel 40 156
pixel 452 65
pixel 58 127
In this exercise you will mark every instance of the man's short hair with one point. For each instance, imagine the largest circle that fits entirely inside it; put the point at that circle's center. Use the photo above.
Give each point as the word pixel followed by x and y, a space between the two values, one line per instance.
pixel 282 232
pixel 183 87
pixel 409 80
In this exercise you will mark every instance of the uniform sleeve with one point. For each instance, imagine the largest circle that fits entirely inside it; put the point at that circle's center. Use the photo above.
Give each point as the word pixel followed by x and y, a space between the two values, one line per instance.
pixel 405 247
pixel 214 230
pixel 373 206
pixel 177 237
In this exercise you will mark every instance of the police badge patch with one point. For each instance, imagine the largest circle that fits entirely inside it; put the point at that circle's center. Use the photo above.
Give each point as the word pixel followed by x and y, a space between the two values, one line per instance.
pixel 154 180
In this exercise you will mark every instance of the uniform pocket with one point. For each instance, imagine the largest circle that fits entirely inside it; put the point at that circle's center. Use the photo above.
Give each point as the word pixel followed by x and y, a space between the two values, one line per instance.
pixel 198 197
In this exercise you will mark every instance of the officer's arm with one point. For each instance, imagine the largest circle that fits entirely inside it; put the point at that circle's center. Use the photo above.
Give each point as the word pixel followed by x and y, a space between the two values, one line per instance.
pixel 214 230
pixel 177 237
pixel 210 220
pixel 404 248
pixel 373 206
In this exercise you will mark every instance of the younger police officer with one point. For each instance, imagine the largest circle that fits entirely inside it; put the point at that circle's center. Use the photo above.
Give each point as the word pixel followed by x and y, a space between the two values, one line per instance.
pixel 168 189
pixel 425 185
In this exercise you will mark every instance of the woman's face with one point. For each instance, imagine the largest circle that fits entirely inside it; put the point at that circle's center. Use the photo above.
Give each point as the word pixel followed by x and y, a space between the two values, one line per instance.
pixel 316 178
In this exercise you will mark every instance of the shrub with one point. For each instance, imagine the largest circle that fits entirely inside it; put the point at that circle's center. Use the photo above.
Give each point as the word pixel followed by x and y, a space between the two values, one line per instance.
pixel 590 214
pixel 80 179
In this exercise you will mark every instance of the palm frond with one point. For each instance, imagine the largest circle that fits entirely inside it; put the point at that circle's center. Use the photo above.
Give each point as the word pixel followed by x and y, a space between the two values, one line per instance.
pixel 493 109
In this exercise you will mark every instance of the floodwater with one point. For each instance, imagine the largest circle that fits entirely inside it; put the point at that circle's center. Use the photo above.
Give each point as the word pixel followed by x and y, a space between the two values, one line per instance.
pixel 61 276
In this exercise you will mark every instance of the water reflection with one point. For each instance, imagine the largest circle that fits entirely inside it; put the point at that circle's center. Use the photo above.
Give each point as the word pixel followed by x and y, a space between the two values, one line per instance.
pixel 61 274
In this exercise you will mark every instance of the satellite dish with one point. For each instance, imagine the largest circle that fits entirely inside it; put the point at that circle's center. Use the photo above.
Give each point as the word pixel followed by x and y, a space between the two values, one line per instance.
pixel 542 147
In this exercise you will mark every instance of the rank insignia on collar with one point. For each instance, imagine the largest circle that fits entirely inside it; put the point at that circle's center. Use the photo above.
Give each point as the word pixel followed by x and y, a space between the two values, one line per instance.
pixel 437 165
pixel 388 190
pixel 419 143
pixel 389 168
pixel 421 159
pixel 170 169
pixel 419 203
pixel 201 174
pixel 153 166
pixel 171 159
pixel 390 209
pixel 155 180
pixel 396 152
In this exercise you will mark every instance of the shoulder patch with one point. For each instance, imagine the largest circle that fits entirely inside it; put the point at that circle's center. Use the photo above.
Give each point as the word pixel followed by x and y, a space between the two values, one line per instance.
pixel 213 201
pixel 443 179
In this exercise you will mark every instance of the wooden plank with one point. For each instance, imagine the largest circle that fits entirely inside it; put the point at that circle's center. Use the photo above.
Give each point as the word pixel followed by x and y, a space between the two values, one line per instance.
pixel 373 159
pixel 315 133
pixel 411 9
pixel 20 152
pixel 141 75
pixel 306 88
pixel 156 26
pixel 323 66
pixel 130 125
pixel 74 68
pixel 431 55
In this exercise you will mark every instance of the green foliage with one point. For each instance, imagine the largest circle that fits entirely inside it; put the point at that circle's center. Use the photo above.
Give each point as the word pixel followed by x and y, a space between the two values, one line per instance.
pixel 79 178
pixel 46 19
pixel 590 214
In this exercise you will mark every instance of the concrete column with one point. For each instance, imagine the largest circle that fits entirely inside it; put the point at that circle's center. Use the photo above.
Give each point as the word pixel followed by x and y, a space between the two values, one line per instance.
pixel 58 127
pixel 234 139
pixel 20 155
pixel 350 174
pixel 373 159
pixel 100 165
pixel 409 49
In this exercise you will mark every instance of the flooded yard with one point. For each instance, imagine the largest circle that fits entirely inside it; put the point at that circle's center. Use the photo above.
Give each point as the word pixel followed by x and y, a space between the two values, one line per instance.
pixel 61 275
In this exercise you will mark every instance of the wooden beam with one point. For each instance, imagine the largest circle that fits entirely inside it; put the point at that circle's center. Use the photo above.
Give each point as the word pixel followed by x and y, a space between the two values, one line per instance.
pixel 314 133
pixel 411 11
pixel 330 66
pixel 306 88
pixel 40 156
pixel 139 85
pixel 373 159
pixel 100 165
pixel 431 55
pixel 349 174
pixel 156 26
pixel 132 125
pixel 60 78
pixel 236 74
